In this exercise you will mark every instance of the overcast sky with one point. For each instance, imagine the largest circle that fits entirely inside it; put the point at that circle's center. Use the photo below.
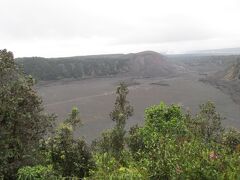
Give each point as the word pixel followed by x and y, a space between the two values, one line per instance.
pixel 53 28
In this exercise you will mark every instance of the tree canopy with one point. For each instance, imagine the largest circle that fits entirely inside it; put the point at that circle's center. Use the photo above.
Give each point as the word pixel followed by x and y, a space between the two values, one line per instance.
pixel 22 119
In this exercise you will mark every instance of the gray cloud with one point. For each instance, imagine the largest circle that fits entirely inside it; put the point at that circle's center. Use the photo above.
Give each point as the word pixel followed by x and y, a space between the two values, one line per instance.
pixel 116 26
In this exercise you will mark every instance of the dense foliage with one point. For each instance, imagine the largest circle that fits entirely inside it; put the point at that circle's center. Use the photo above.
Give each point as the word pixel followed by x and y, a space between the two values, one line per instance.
pixel 171 144
pixel 22 120
pixel 68 156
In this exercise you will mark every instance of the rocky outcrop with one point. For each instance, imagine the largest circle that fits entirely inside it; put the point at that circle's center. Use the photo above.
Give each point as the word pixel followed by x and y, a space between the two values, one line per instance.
pixel 233 72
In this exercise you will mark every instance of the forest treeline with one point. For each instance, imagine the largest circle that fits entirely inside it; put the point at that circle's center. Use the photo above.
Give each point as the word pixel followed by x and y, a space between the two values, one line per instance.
pixel 172 144
pixel 74 67
pixel 81 67
pixel 146 63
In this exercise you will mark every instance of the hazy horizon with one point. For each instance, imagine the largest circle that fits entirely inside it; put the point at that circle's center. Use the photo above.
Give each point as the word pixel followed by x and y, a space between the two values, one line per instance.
pixel 74 28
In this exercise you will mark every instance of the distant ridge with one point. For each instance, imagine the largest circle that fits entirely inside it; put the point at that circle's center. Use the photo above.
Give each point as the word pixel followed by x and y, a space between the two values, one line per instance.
pixel 222 51
pixel 146 63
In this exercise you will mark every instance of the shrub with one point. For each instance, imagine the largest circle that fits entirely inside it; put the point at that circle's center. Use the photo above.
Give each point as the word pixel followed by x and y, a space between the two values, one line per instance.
pixel 232 140
pixel 36 172
pixel 107 167
pixel 69 157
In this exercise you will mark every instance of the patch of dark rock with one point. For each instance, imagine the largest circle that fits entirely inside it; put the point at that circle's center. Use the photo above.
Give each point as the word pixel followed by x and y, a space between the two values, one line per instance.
pixel 160 84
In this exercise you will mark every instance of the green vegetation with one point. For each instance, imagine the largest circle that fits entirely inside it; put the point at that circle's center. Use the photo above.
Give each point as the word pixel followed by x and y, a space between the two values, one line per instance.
pixel 147 63
pixel 36 172
pixel 73 67
pixel 68 156
pixel 171 144
pixel 22 120
pixel 113 141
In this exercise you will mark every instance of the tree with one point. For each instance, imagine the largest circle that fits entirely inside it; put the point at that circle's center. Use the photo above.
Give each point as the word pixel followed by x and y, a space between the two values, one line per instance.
pixel 69 157
pixel 121 112
pixel 73 118
pixel 22 120
pixel 113 141
pixel 208 123
pixel 122 109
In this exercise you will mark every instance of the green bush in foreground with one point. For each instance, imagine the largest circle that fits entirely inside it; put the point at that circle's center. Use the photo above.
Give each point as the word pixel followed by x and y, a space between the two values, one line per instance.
pixel 36 172
pixel 168 147
pixel 108 167
pixel 69 156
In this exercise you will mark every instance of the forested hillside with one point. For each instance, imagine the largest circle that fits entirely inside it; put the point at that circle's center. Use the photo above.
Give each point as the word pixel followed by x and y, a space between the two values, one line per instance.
pixel 74 67
pixel 140 64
